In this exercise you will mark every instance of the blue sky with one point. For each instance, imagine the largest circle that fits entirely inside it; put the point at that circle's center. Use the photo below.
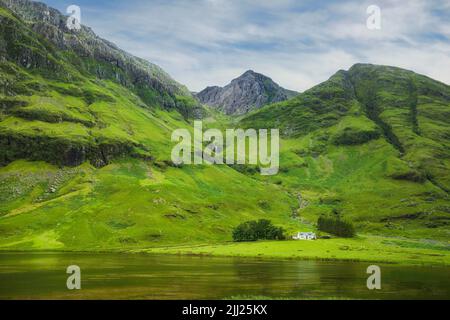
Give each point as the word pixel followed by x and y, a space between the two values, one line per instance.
pixel 296 43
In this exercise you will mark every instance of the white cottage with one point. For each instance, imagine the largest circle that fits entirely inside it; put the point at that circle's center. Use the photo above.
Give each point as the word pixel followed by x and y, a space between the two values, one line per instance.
pixel 305 236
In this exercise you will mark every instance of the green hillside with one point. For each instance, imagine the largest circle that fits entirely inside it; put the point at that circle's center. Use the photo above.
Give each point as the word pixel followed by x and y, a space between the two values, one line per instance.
pixel 129 204
pixel 371 144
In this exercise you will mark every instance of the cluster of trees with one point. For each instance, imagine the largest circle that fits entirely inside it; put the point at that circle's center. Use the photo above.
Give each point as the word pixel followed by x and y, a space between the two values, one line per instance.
pixel 258 230
pixel 336 226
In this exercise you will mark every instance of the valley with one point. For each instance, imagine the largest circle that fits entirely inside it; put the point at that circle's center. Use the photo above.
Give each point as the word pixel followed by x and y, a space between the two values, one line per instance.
pixel 85 155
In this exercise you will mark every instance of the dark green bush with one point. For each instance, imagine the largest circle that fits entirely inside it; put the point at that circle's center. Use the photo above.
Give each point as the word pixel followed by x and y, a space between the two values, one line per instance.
pixel 258 230
pixel 336 226
pixel 353 136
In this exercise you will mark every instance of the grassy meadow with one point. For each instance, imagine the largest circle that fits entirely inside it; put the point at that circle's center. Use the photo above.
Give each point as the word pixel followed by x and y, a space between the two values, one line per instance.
pixel 364 248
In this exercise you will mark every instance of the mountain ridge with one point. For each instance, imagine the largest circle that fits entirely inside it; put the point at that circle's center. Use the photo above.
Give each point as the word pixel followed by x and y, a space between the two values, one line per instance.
pixel 102 58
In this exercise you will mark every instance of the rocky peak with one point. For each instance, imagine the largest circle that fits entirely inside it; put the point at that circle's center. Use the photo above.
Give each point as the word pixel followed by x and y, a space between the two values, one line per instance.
pixel 249 73
pixel 248 92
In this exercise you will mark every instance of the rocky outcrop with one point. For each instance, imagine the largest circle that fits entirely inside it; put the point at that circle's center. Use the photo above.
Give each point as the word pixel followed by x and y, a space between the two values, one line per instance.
pixel 248 92
pixel 60 151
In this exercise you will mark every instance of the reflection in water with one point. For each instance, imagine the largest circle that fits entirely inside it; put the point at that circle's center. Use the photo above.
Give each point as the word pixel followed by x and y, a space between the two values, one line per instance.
pixel 124 276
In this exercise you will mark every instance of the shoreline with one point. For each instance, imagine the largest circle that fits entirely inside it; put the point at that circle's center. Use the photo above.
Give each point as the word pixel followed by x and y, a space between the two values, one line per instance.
pixel 208 255
pixel 370 250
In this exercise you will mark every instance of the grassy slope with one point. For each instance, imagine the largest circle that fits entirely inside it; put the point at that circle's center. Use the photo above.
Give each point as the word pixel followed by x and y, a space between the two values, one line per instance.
pixel 130 204
pixel 62 116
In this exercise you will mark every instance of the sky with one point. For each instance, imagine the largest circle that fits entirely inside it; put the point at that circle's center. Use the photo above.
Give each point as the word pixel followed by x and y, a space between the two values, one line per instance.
pixel 297 43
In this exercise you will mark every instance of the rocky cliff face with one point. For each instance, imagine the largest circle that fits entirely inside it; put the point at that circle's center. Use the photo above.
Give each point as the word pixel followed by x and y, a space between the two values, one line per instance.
pixel 248 92
pixel 96 56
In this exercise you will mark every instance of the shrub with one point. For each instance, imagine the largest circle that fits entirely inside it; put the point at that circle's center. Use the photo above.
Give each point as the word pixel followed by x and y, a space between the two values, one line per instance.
pixel 257 230
pixel 336 226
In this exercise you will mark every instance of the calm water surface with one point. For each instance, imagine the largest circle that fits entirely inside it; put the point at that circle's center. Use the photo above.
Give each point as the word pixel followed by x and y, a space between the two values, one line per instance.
pixel 127 276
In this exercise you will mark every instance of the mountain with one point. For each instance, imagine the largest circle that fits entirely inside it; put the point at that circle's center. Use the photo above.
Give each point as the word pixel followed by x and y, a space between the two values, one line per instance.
pixel 372 143
pixel 89 54
pixel 409 111
pixel 68 80
pixel 85 148
pixel 248 92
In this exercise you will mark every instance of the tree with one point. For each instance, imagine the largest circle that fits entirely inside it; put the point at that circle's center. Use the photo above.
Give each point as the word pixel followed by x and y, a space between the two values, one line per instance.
pixel 336 226
pixel 257 230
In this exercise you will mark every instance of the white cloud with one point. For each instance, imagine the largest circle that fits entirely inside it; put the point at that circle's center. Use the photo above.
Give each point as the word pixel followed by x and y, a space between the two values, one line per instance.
pixel 209 42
